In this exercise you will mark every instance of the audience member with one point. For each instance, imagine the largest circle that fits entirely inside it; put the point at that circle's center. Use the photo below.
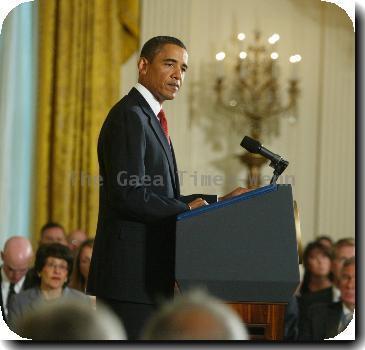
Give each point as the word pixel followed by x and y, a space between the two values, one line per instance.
pixel 16 256
pixel 82 265
pixel 195 316
pixel 52 232
pixel 343 249
pixel 70 321
pixel 53 265
pixel 76 238
pixel 317 268
pixel 326 241
pixel 326 320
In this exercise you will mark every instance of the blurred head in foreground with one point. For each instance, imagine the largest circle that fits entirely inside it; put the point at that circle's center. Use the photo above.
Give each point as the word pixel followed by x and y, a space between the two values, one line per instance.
pixel 195 316
pixel 70 320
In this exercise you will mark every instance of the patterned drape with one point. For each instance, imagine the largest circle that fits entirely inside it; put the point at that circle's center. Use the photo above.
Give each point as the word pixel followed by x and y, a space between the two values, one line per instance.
pixel 82 46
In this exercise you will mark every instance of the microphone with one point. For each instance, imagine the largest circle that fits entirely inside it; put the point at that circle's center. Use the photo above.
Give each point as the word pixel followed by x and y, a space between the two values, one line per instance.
pixel 254 146
pixel 277 162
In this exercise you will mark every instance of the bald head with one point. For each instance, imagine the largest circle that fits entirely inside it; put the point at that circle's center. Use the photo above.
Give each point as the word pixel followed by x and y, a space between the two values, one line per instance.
pixel 16 255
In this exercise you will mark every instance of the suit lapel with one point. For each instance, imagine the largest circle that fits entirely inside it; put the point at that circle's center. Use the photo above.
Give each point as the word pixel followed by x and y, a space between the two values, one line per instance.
pixel 156 127
pixel 177 181
pixel 164 143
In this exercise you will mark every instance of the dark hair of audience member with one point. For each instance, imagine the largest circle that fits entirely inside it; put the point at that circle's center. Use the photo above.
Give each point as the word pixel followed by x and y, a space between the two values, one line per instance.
pixel 54 250
pixel 312 246
pixel 51 224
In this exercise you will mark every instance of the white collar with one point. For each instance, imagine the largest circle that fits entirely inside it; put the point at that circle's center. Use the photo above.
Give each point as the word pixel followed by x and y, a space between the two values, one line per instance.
pixel 336 294
pixel 346 311
pixel 150 99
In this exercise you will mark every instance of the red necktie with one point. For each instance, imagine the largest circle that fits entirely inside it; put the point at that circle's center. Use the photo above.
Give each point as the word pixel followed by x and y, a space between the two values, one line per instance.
pixel 163 121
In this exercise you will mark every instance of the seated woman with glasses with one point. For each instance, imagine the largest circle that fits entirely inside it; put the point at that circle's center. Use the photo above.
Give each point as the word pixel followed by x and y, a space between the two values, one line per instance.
pixel 53 265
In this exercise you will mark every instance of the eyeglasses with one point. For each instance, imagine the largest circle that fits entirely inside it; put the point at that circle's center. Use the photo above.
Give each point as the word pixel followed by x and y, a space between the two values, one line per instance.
pixel 61 267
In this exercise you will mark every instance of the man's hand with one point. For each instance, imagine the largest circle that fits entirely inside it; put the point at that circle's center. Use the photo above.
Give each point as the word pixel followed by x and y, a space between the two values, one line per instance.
pixel 196 203
pixel 235 192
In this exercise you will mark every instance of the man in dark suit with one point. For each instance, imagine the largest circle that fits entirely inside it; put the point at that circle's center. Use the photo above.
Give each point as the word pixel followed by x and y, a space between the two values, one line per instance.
pixel 132 266
pixel 326 320
pixel 16 256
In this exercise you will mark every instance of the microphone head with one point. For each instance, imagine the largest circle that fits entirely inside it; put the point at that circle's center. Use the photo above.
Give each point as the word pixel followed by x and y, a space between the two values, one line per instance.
pixel 251 145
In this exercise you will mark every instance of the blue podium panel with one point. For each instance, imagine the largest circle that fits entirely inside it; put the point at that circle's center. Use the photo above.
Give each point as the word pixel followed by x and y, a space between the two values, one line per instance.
pixel 241 250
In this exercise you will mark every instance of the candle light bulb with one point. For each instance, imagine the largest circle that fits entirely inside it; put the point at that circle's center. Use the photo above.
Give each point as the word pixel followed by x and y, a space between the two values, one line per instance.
pixel 220 56
pixel 273 38
pixel 243 55
pixel 274 55
pixel 241 36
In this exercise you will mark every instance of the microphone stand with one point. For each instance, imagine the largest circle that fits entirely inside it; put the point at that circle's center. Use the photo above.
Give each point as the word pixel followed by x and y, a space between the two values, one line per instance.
pixel 279 167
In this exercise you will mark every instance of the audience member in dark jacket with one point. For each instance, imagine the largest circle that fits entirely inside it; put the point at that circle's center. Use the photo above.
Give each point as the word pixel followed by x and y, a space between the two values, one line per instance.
pixel 328 320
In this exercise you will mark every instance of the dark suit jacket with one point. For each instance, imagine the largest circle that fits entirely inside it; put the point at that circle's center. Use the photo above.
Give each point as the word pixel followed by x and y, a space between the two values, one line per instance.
pixel 133 254
pixel 28 283
pixel 291 319
pixel 305 301
pixel 321 322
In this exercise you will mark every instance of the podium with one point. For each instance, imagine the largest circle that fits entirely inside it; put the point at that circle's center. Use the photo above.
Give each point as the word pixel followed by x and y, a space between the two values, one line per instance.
pixel 243 251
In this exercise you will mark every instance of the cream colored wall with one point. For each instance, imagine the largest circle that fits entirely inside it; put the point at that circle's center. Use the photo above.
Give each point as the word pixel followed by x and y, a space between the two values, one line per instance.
pixel 320 146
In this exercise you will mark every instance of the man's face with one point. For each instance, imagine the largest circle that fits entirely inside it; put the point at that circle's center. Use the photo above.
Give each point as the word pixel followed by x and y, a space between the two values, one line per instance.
pixel 341 254
pixel 347 285
pixel 53 235
pixel 164 76
pixel 14 271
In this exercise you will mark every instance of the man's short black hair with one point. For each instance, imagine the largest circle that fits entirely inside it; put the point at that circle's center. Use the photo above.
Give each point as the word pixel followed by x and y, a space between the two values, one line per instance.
pixel 51 224
pixel 155 44
pixel 53 250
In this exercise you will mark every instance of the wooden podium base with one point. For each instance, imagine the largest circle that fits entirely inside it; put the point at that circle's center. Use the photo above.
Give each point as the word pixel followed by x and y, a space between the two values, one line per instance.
pixel 264 321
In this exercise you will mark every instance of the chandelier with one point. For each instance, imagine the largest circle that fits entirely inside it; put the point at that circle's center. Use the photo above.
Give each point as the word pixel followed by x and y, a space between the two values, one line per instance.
pixel 247 85
pixel 248 92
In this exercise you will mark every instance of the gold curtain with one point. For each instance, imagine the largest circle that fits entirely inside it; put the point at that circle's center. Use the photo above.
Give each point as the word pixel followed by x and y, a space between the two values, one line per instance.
pixel 82 44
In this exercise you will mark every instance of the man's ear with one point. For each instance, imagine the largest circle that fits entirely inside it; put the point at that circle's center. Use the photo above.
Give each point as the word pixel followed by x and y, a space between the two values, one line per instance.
pixel 142 65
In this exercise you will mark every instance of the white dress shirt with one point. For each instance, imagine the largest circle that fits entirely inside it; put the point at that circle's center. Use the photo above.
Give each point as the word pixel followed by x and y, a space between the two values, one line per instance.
pixel 150 99
pixel 336 294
